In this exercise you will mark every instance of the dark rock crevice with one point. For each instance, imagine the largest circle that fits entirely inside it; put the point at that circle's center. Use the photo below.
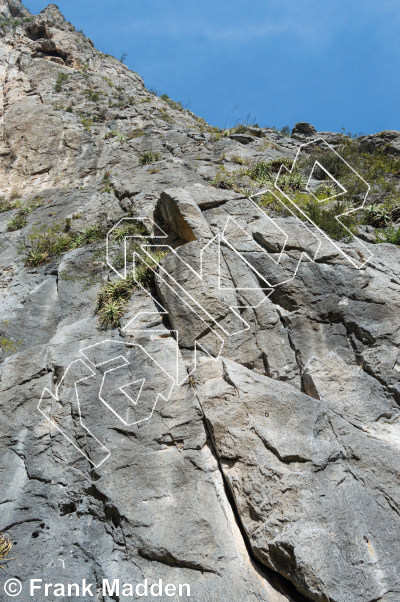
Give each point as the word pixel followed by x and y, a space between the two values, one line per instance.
pixel 164 557
pixel 279 582
pixel 285 458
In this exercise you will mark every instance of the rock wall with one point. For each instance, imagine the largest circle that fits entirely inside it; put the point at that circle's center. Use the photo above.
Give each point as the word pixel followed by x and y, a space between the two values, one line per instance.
pixel 269 468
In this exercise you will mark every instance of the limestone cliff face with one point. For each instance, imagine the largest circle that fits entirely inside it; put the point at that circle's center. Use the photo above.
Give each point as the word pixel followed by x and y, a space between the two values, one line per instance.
pixel 269 467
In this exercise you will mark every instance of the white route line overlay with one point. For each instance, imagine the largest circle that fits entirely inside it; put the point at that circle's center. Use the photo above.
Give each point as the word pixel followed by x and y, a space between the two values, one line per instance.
pixel 56 397
pixel 162 272
pixel 164 275
pixel 369 254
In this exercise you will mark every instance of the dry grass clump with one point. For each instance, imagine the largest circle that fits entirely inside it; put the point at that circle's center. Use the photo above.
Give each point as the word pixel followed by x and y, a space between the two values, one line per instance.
pixel 5 546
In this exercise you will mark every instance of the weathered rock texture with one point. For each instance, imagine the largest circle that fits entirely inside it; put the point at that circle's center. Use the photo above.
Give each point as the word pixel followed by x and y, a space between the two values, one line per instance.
pixel 387 141
pixel 273 473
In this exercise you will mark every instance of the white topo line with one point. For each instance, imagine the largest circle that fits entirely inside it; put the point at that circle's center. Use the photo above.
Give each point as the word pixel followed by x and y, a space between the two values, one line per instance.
pixel 190 301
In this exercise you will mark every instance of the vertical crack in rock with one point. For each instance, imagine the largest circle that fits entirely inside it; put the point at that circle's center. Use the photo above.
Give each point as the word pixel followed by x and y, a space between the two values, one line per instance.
pixel 278 581
pixel 294 493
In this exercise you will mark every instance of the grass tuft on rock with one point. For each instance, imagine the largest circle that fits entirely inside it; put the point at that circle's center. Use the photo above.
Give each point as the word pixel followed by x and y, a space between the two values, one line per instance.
pixel 112 298
pixel 149 157
pixel 61 78
pixel 106 181
pixel 18 222
pixel 47 242
pixel 5 547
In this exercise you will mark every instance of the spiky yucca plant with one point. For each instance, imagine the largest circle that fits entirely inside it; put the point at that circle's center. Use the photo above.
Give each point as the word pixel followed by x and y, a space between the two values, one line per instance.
pixel 291 181
pixel 112 298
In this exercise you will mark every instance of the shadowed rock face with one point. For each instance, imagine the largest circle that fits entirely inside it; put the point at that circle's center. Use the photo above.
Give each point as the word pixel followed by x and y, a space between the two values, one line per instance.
pixel 272 473
pixel 13 8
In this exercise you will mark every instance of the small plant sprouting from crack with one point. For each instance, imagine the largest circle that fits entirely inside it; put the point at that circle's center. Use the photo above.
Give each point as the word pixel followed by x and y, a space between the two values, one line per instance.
pixel 61 78
pixel 263 171
pixel 236 159
pixel 132 230
pixel 87 123
pixel 19 221
pixel 106 181
pixel 111 134
pixel 91 95
pixel 110 312
pixel 192 382
pixel 149 157
pixel 136 134
pixel 8 346
pixel 5 547
pixel 108 81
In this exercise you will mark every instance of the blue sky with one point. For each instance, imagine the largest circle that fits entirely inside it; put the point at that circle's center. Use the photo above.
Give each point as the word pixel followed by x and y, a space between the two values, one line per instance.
pixel 334 63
